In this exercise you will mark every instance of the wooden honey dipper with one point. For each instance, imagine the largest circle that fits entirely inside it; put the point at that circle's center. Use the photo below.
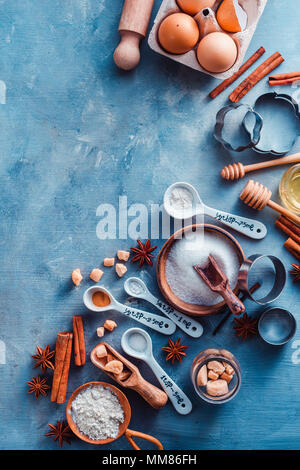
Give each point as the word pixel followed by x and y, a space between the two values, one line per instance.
pixel 132 28
pixel 238 170
pixel 258 196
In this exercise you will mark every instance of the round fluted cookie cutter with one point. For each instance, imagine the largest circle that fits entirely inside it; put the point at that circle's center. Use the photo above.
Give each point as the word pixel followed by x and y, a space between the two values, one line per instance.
pixel 254 135
pixel 279 278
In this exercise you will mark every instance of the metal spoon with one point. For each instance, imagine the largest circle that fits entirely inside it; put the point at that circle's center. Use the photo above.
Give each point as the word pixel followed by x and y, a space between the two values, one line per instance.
pixel 192 206
pixel 135 287
pixel 137 343
pixel 156 322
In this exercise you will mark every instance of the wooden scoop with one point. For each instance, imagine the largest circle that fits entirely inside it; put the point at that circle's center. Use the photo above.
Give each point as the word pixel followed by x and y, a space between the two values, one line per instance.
pixel 217 281
pixel 152 394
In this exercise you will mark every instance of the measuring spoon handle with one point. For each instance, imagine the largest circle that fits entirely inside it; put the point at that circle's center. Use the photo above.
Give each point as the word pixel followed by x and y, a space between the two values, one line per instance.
pixel 178 398
pixel 250 227
pixel 187 324
pixel 156 322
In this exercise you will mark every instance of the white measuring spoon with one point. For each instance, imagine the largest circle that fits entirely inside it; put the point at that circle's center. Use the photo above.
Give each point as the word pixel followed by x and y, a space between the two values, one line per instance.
pixel 137 343
pixel 192 205
pixel 156 322
pixel 135 287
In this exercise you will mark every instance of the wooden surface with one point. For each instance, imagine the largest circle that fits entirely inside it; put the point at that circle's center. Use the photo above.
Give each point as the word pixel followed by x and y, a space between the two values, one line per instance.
pixel 75 133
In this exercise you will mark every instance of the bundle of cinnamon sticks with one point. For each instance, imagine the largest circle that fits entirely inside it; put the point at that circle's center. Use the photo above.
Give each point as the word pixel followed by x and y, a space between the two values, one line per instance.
pixel 284 78
pixel 62 365
pixel 262 71
pixel 293 231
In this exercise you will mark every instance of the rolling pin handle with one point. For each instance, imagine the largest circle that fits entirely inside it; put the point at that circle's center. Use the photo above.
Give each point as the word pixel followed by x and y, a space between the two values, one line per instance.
pixel 127 54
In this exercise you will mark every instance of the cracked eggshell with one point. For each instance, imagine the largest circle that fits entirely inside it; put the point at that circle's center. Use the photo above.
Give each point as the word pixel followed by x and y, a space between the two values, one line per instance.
pixel 192 7
pixel 253 9
pixel 231 16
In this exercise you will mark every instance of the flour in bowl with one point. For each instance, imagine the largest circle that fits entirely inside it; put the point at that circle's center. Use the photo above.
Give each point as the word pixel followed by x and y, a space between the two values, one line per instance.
pixel 97 413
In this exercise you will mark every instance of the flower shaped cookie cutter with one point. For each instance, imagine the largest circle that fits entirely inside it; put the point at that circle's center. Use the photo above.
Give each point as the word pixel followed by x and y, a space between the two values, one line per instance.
pixel 255 124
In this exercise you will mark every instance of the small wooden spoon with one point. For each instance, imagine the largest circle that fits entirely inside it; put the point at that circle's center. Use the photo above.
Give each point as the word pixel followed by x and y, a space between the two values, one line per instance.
pixel 153 395
pixel 217 281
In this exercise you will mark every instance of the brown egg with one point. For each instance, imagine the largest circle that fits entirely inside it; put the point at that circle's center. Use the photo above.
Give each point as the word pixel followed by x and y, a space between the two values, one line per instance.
pixel 217 52
pixel 178 33
pixel 194 6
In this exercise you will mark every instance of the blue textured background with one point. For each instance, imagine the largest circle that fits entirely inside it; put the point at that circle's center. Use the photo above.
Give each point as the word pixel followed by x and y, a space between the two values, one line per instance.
pixel 76 132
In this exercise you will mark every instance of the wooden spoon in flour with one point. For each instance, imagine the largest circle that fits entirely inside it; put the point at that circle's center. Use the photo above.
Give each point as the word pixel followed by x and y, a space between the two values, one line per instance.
pixel 217 281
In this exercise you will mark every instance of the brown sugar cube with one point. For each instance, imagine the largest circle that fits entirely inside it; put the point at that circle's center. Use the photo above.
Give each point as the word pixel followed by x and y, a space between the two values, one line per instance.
pixel 202 376
pixel 100 331
pixel 123 255
pixel 121 269
pixel 216 388
pixel 96 274
pixel 116 367
pixel 212 375
pixel 109 262
pixel 229 370
pixel 216 366
pixel 110 325
pixel 110 357
pixel 226 377
pixel 101 351
pixel 123 376
pixel 76 277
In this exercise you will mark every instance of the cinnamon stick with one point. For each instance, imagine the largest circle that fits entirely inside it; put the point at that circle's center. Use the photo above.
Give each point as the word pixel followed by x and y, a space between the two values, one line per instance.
pixel 293 247
pixel 264 69
pixel 284 81
pixel 284 76
pixel 79 344
pixel 62 364
pixel 289 224
pixel 288 230
pixel 226 83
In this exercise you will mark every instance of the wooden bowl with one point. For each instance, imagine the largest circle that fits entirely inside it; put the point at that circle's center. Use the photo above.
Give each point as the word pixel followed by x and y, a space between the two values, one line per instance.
pixel 176 302
pixel 123 401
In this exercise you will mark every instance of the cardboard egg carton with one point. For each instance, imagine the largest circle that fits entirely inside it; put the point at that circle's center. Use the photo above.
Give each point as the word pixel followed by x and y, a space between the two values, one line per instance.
pixel 254 10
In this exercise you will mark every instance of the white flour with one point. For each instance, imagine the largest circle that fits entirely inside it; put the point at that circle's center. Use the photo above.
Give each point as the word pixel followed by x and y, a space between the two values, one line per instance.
pixel 97 413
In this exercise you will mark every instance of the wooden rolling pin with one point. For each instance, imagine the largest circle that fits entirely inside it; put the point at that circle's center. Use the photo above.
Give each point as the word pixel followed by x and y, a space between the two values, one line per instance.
pixel 258 196
pixel 132 28
pixel 238 170
pixel 153 395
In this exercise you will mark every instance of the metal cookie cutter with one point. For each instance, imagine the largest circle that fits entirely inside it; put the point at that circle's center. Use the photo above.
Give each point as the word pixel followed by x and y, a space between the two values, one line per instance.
pixel 269 97
pixel 254 123
pixel 253 135
pixel 279 282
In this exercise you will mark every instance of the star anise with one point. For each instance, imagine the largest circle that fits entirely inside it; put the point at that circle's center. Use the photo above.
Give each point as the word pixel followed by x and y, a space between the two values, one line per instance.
pixel 43 357
pixel 38 385
pixel 61 432
pixel 245 326
pixel 295 272
pixel 175 350
pixel 143 252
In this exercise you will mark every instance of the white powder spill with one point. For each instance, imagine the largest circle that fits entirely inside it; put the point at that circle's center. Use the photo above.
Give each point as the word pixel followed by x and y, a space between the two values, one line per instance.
pixel 184 254
pixel 97 413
